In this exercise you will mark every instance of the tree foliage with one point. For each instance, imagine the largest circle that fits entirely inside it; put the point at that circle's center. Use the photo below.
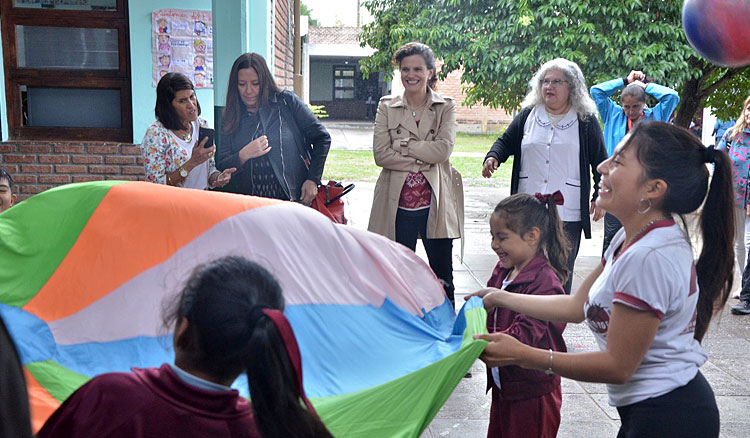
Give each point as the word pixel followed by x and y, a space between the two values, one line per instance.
pixel 500 44
pixel 305 10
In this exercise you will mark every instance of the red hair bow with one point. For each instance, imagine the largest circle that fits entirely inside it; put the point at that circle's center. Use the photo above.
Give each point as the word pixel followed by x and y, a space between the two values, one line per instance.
pixel 557 197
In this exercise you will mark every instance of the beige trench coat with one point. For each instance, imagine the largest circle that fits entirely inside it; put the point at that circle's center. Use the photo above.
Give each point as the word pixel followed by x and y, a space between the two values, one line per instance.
pixel 428 151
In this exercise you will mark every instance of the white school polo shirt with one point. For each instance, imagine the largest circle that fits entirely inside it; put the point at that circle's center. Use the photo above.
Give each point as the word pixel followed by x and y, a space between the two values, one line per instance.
pixel 656 273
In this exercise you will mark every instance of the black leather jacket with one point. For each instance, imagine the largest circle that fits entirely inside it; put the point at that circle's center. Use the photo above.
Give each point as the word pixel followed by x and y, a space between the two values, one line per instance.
pixel 292 142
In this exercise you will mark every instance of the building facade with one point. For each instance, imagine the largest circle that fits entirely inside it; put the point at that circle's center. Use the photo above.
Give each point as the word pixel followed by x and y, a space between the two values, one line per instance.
pixel 78 91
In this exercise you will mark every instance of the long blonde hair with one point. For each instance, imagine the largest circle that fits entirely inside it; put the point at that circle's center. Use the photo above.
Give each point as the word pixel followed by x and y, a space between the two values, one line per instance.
pixel 740 124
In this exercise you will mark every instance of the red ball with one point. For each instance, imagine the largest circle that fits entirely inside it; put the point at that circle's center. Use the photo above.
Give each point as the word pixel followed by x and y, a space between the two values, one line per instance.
pixel 719 30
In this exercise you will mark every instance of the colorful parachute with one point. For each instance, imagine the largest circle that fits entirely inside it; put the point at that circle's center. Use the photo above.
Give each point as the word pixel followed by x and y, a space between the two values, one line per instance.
pixel 85 270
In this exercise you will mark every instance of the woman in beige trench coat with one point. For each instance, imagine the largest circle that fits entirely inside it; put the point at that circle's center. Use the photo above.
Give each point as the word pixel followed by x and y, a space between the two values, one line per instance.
pixel 418 194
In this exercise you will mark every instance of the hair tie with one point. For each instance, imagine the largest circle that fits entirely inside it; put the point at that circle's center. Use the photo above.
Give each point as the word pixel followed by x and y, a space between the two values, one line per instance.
pixel 292 350
pixel 254 316
pixel 557 196
pixel 709 154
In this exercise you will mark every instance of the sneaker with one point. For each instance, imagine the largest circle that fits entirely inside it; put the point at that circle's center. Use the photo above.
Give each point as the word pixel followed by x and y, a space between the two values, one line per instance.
pixel 743 308
pixel 736 295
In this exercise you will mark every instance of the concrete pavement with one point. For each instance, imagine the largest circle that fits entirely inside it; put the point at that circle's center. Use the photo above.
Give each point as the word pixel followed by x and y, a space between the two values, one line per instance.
pixel 585 412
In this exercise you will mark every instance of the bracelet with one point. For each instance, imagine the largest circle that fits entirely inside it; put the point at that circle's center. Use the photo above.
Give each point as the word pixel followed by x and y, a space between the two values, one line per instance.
pixel 549 370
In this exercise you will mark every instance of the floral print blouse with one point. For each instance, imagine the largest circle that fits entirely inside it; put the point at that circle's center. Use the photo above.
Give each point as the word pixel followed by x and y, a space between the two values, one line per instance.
pixel 162 154
pixel 738 150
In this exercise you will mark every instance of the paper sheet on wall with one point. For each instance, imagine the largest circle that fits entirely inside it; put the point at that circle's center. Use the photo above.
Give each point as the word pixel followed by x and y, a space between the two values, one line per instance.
pixel 183 42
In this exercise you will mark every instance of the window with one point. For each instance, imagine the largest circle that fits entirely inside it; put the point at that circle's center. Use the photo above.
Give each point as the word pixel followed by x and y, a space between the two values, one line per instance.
pixel 343 82
pixel 67 69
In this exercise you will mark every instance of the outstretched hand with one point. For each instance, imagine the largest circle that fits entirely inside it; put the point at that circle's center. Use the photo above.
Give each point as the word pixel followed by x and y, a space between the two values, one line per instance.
pixel 502 350
pixel 491 297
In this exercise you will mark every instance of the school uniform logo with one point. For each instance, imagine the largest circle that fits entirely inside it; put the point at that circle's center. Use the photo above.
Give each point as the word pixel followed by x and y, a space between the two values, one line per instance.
pixel 597 318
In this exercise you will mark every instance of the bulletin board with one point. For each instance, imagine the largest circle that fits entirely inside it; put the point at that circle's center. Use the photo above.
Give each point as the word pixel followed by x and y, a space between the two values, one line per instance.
pixel 183 43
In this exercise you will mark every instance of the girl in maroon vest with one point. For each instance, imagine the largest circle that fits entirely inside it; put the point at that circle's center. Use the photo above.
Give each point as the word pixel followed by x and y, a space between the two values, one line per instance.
pixel 528 236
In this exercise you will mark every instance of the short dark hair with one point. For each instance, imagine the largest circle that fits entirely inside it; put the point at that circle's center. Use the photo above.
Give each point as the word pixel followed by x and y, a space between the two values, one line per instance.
pixel 635 91
pixel 234 106
pixel 415 48
pixel 166 90
pixel 5 175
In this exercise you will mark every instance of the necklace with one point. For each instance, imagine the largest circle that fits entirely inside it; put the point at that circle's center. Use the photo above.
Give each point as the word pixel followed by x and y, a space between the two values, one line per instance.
pixel 642 230
pixel 414 110
pixel 187 136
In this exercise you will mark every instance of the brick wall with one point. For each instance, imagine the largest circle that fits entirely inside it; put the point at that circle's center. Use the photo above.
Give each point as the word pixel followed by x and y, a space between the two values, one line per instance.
pixel 470 118
pixel 38 166
pixel 283 63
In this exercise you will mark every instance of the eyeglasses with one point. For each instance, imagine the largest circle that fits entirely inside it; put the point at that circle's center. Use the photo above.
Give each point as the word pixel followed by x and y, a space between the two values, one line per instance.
pixel 554 82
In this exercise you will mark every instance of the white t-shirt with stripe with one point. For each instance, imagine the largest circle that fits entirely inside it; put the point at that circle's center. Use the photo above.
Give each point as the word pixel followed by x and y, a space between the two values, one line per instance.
pixel 655 273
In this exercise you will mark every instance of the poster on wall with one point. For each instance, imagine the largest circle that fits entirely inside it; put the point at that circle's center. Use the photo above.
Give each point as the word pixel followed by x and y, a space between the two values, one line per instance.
pixel 183 43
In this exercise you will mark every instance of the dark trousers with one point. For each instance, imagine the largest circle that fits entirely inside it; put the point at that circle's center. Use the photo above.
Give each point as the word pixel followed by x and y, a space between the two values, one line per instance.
pixel 573 232
pixel 745 292
pixel 688 411
pixel 611 227
pixel 413 225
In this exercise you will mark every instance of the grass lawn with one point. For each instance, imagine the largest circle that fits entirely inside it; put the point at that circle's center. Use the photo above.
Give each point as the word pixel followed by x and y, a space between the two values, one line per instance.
pixel 360 166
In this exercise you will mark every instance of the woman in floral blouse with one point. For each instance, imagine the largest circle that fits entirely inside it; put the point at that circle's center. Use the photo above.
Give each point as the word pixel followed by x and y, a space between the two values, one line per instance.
pixel 736 143
pixel 170 148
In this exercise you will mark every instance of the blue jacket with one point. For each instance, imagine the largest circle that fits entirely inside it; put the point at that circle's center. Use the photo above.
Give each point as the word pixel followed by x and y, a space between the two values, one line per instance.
pixel 613 116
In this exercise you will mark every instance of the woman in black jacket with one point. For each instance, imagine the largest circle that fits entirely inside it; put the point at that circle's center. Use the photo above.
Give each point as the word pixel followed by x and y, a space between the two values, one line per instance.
pixel 278 146
pixel 556 143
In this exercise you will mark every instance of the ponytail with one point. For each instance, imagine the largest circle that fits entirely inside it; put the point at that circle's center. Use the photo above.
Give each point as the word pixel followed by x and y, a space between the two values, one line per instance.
pixel 555 242
pixel 716 261
pixel 676 156
pixel 275 394
pixel 234 307
pixel 523 211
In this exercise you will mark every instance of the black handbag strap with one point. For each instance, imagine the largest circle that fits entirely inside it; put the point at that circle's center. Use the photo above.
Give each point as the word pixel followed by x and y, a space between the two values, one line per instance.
pixel 346 190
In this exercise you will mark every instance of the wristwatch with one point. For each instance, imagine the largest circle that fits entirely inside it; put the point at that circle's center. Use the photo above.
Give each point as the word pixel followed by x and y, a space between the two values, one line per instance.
pixel 183 172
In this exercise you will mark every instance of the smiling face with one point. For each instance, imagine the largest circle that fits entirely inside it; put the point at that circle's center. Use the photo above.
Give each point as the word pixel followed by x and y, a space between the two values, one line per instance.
pixel 621 187
pixel 7 198
pixel 514 250
pixel 185 105
pixel 746 113
pixel 555 91
pixel 633 108
pixel 415 74
pixel 248 86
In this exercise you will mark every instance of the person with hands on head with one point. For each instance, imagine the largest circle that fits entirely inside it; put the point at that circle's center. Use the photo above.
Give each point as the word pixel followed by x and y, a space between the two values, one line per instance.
pixel 648 303
pixel 528 237
pixel 556 143
pixel 171 152
pixel 274 140
pixel 619 120
pixel 418 193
